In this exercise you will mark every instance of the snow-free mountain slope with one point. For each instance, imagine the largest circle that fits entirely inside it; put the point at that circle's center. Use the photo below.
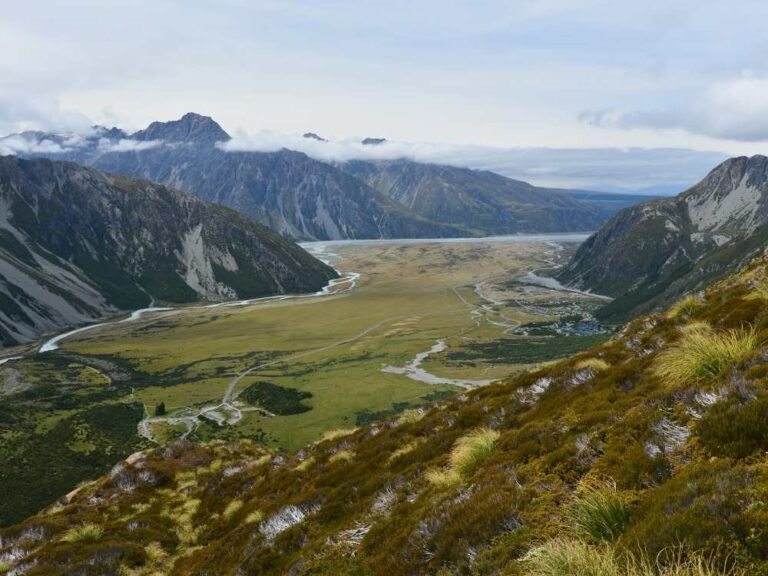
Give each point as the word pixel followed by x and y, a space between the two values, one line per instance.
pixel 651 253
pixel 477 199
pixel 77 244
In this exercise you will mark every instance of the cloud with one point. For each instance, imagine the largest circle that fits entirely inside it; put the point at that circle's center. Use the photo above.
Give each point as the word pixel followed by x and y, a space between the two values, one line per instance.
pixel 40 143
pixel 19 144
pixel 127 145
pixel 616 169
pixel 734 109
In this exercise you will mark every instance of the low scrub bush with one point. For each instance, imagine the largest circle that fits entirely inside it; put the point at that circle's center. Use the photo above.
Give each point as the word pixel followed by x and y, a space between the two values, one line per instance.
pixel 703 355
pixel 734 429
pixel 600 512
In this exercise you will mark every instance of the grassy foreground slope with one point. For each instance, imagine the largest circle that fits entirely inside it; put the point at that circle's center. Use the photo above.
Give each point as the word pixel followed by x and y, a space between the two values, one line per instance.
pixel 643 455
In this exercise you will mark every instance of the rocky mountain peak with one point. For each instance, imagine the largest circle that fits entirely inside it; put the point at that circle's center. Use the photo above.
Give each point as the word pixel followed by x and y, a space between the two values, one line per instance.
pixel 313 136
pixel 191 127
pixel 373 141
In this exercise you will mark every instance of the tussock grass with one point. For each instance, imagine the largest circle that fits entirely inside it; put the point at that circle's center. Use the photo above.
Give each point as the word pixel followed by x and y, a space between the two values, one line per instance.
pixel 338 433
pixel 255 517
pixel 442 478
pixel 468 451
pixel 685 307
pixel 759 290
pixel 599 512
pixel 571 557
pixel 596 364
pixel 410 416
pixel 155 552
pixel 342 456
pixel 703 355
pixel 232 508
pixel 5 567
pixel 83 533
pixel 305 465
pixel 574 557
pixel 406 449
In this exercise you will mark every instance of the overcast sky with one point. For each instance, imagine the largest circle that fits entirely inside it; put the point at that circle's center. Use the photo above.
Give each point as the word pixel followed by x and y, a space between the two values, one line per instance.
pixel 493 75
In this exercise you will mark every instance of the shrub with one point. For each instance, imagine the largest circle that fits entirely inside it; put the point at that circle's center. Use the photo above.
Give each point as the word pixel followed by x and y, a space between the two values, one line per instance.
pixel 685 307
pixel 83 533
pixel 600 512
pixel 703 355
pixel 733 429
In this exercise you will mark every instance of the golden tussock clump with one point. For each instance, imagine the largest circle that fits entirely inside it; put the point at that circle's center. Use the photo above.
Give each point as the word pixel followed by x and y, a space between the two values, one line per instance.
pixel 704 355
pixel 465 456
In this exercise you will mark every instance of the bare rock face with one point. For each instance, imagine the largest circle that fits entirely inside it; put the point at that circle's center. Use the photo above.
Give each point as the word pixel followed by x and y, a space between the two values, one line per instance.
pixel 77 244
pixel 650 254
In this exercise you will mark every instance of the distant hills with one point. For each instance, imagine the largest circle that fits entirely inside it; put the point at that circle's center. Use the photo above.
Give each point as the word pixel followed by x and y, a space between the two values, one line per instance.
pixel 486 202
pixel 304 198
pixel 77 244
pixel 650 254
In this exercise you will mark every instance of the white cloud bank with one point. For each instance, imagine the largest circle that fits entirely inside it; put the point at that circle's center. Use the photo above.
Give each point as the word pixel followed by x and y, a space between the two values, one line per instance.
pixel 667 169
pixel 734 109
pixel 661 170
pixel 43 144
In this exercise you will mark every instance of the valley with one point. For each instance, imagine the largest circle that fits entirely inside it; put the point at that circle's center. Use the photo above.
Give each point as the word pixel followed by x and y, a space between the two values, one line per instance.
pixel 408 322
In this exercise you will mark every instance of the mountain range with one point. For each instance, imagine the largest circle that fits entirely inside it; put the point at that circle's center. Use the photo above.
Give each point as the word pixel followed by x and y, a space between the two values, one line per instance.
pixel 307 199
pixel 77 244
pixel 650 254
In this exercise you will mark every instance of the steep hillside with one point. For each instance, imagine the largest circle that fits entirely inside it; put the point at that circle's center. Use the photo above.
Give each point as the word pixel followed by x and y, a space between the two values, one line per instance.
pixel 478 199
pixel 644 455
pixel 648 255
pixel 77 244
